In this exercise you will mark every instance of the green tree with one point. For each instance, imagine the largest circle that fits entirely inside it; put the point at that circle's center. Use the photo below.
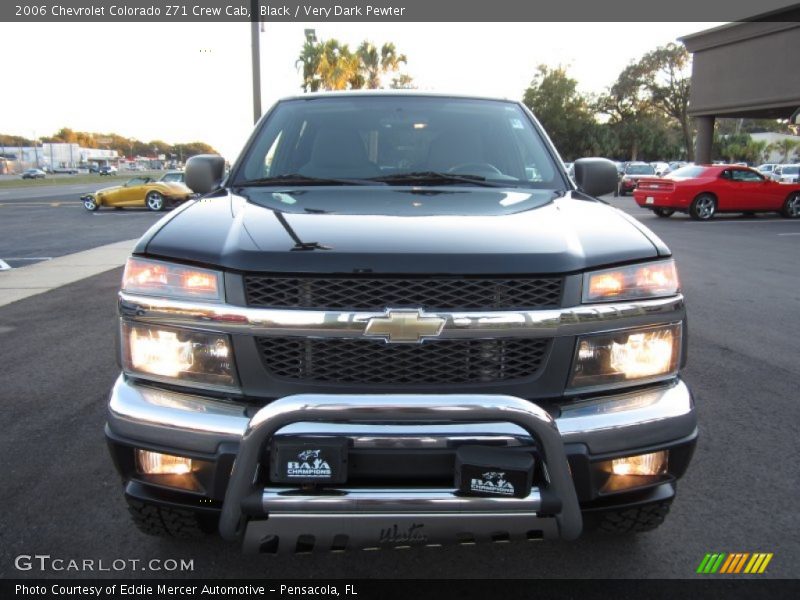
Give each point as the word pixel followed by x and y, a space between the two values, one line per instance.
pixel 309 59
pixel 374 63
pixel 728 126
pixel 403 81
pixel 666 75
pixel 785 147
pixel 563 111
pixel 331 65
pixel 191 149
pixel 14 140
pixel 339 68
pixel 630 111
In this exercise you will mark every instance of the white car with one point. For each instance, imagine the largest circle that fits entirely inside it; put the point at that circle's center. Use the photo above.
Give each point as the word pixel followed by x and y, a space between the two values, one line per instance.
pixel 766 169
pixel 661 168
pixel 788 174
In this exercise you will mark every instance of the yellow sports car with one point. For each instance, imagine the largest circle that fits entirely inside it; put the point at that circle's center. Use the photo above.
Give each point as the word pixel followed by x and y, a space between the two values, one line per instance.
pixel 139 191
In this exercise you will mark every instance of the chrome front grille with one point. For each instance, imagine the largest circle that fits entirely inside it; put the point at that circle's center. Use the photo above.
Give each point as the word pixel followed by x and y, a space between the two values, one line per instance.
pixel 359 361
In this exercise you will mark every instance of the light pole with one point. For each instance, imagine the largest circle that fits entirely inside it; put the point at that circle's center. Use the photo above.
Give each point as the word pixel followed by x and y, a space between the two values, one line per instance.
pixel 256 54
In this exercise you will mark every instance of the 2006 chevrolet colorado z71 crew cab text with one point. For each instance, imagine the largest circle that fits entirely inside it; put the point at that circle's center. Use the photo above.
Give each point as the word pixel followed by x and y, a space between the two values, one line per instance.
pixel 397 321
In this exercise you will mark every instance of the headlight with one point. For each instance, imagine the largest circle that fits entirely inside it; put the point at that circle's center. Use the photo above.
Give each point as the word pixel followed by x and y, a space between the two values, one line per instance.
pixel 626 357
pixel 178 356
pixel 157 278
pixel 648 280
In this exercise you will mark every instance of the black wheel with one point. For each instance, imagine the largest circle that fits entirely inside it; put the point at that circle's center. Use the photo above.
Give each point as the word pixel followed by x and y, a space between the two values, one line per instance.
pixel 703 207
pixel 169 522
pixel 154 201
pixel 791 207
pixel 629 520
pixel 623 193
pixel 90 203
pixel 664 213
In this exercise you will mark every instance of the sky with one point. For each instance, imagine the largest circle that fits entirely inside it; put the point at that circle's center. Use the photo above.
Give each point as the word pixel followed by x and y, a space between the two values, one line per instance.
pixel 192 81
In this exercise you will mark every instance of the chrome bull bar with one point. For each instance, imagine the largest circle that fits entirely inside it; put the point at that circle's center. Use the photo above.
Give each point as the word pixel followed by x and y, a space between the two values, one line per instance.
pixel 372 517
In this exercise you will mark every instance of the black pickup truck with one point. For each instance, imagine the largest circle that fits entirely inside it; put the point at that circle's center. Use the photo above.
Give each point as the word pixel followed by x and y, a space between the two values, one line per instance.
pixel 397 321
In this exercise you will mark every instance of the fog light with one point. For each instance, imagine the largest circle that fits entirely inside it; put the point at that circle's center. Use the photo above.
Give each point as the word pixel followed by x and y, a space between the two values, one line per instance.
pixel 635 471
pixel 654 463
pixel 155 463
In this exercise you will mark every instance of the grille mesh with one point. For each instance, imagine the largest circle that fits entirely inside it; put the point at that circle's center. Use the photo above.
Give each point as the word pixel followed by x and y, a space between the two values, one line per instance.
pixel 359 361
pixel 379 294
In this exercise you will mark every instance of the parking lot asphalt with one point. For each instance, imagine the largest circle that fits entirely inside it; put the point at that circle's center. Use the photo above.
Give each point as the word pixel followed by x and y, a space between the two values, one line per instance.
pixel 40 223
pixel 61 496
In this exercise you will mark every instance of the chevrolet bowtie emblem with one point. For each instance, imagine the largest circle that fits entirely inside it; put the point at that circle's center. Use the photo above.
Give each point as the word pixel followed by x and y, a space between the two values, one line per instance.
pixel 404 326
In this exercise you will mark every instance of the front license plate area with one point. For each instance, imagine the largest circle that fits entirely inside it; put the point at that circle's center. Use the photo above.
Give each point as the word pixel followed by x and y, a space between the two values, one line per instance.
pixel 302 461
pixel 649 200
pixel 489 471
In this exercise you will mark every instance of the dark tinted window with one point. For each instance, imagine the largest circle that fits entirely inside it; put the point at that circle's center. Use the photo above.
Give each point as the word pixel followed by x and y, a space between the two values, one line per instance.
pixel 745 175
pixel 364 137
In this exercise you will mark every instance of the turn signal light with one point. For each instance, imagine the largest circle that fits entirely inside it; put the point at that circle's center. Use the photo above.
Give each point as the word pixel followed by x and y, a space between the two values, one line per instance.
pixel 157 278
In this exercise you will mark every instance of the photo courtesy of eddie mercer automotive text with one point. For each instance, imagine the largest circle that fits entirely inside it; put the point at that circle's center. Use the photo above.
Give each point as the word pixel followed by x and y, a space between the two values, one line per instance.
pixel 397 321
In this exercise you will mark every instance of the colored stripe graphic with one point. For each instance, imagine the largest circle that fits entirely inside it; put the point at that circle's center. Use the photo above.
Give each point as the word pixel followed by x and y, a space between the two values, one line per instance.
pixel 741 562
pixel 764 564
pixel 753 563
pixel 736 562
pixel 703 563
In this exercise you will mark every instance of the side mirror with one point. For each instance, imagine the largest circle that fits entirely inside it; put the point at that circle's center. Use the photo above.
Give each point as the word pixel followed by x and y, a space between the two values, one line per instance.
pixel 595 176
pixel 204 172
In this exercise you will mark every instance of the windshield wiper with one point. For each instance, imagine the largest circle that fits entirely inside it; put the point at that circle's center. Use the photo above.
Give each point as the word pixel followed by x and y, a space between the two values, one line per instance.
pixel 436 177
pixel 297 179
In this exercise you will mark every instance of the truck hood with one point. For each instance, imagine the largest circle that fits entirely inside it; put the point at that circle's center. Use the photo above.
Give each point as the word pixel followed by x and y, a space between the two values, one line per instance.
pixel 405 230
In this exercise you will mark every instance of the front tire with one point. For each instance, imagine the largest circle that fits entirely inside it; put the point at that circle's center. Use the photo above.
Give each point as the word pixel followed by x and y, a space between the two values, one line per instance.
pixel 90 203
pixel 703 207
pixel 638 519
pixel 791 207
pixel 161 521
pixel 154 201
pixel 664 213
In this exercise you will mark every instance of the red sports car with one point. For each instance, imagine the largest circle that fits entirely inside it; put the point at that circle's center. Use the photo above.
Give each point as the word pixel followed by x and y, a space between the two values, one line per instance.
pixel 705 190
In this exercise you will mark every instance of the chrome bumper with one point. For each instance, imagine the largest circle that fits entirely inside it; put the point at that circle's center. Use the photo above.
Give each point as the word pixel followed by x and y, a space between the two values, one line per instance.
pixel 609 423
pixel 282 519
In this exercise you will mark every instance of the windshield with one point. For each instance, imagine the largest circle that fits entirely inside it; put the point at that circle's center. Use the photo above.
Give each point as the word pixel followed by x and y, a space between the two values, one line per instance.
pixel 640 170
pixel 398 140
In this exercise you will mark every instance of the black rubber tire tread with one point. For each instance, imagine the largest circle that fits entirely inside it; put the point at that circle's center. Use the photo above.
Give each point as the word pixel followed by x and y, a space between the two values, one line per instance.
pixel 167 522
pixel 633 520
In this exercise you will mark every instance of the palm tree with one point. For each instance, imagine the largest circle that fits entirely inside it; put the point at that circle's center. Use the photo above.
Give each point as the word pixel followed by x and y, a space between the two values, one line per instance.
pixel 338 67
pixel 330 65
pixel 309 58
pixel 374 64
pixel 370 64
pixel 390 59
